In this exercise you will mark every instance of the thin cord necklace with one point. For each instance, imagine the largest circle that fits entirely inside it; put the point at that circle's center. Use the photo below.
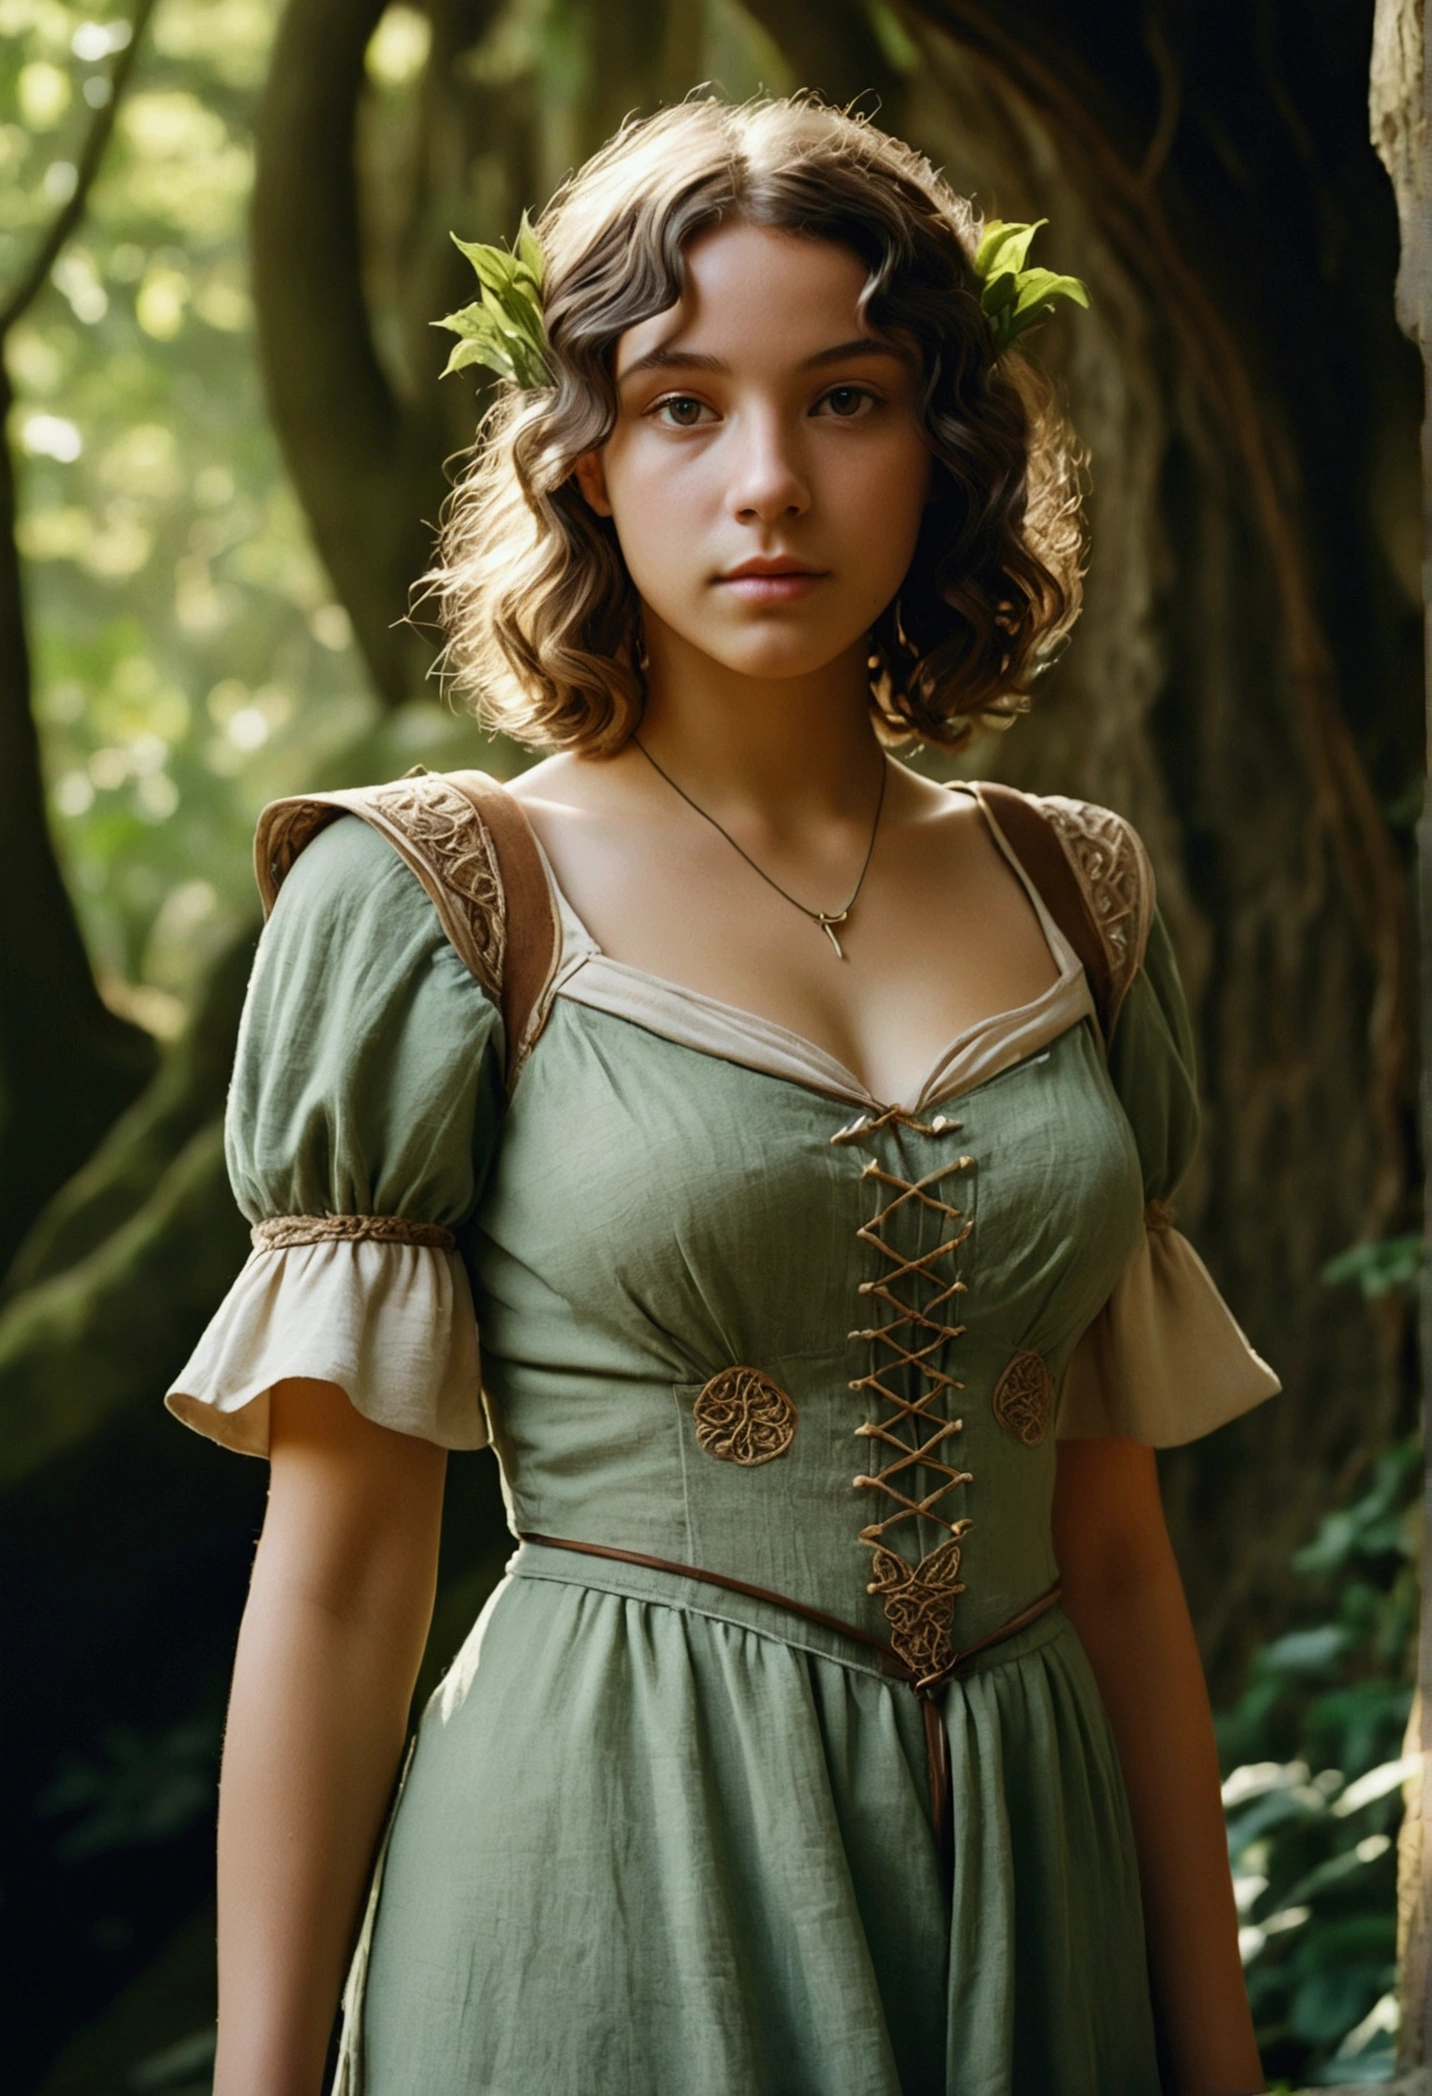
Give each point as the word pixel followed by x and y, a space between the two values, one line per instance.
pixel 826 919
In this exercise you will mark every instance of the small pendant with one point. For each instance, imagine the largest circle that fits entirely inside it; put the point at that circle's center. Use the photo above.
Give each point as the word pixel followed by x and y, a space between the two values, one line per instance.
pixel 827 920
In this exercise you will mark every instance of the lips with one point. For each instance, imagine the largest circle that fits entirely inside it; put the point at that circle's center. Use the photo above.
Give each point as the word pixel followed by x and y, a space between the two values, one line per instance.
pixel 774 564
pixel 778 579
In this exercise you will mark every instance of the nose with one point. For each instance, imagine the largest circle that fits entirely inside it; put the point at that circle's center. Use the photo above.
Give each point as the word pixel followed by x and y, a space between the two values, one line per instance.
pixel 768 480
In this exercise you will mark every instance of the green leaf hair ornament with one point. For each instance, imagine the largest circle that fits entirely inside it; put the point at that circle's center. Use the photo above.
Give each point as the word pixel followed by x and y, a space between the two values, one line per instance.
pixel 504 329
pixel 1015 298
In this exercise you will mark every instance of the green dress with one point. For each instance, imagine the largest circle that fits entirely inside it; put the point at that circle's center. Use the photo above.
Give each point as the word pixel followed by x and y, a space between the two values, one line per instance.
pixel 659 1837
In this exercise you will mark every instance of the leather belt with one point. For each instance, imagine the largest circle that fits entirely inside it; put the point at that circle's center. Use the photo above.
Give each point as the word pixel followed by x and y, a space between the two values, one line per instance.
pixel 937 1745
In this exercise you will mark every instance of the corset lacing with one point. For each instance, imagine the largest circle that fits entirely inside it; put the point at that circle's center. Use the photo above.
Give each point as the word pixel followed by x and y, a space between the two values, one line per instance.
pixel 919 1598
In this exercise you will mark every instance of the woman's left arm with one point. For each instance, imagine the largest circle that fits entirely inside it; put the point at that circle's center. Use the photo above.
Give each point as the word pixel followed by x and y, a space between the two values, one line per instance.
pixel 1123 1593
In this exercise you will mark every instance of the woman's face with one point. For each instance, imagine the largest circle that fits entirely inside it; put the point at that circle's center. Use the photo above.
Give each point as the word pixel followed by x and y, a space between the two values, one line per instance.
pixel 767 471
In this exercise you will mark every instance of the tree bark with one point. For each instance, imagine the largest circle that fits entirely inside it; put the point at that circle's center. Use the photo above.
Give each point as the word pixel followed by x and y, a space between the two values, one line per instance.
pixel 363 482
pixel 1400 108
pixel 366 458
pixel 68 1065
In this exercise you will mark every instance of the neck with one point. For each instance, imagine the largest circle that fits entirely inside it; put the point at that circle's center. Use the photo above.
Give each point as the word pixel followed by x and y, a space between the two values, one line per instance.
pixel 786 748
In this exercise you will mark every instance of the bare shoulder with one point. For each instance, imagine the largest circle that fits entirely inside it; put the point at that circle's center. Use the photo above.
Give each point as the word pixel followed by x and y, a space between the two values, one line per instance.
pixel 583 784
pixel 930 800
pixel 944 814
pixel 542 781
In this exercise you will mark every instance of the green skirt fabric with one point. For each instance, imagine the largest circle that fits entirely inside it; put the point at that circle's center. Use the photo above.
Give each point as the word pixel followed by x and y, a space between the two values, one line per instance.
pixel 659 1840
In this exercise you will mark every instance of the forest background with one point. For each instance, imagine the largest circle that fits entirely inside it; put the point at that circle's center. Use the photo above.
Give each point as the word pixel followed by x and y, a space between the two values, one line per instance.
pixel 223 239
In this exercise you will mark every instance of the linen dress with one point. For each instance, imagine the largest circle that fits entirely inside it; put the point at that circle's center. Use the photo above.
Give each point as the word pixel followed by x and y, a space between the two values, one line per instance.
pixel 657 1837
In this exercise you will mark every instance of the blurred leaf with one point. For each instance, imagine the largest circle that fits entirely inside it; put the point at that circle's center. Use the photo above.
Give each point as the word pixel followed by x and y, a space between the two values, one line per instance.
pixel 135 1791
pixel 1334 1998
pixel 1306 1651
pixel 1393 1262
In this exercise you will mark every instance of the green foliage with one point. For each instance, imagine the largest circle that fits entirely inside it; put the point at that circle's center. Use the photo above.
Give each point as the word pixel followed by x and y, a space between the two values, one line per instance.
pixel 1015 298
pixel 190 662
pixel 135 1791
pixel 1313 1854
pixel 504 330
pixel 1393 1262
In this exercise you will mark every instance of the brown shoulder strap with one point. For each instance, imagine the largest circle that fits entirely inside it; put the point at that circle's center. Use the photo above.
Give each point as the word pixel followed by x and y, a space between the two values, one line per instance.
pixel 1094 877
pixel 533 941
pixel 470 845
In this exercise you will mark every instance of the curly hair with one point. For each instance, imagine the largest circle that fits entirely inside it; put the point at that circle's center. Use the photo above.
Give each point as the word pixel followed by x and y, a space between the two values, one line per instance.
pixel 542 621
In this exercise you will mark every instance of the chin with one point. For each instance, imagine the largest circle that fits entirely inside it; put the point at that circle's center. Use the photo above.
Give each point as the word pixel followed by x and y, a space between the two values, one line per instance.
pixel 777 656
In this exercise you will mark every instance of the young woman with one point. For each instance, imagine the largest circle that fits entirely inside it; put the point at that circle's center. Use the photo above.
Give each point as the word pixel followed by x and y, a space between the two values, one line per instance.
pixel 829 1307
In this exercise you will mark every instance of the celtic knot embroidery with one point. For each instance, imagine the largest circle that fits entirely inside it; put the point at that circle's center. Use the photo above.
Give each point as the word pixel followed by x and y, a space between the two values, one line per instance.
pixel 440 834
pixel 917 1293
pixel 442 823
pixel 743 1416
pixel 1023 1399
pixel 919 1601
pixel 1112 870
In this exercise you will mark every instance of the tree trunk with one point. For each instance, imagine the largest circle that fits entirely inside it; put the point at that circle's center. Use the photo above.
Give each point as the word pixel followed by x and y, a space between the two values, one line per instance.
pixel 366 454
pixel 1400 95
pixel 68 1065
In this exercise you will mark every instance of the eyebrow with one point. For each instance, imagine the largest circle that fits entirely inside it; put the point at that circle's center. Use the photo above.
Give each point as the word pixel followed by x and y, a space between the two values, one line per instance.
pixel 693 360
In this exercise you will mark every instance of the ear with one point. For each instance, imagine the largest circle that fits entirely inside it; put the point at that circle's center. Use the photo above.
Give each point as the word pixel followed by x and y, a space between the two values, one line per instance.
pixel 591 472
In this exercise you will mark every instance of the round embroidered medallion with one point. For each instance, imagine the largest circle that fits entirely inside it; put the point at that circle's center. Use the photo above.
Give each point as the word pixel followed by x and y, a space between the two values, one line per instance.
pixel 742 1416
pixel 1023 1400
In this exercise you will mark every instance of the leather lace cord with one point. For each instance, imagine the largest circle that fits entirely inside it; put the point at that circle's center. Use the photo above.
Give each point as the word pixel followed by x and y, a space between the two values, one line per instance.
pixel 911 1444
pixel 937 1745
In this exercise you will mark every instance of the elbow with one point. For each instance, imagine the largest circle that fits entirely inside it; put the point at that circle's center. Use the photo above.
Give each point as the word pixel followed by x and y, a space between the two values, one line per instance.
pixel 1118 1572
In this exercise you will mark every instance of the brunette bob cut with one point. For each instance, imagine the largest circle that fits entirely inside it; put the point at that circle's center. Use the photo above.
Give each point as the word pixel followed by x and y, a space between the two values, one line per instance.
pixel 543 624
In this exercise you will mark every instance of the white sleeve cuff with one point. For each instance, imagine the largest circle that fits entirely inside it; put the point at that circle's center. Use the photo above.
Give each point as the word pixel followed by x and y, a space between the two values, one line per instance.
pixel 1165 1360
pixel 392 1324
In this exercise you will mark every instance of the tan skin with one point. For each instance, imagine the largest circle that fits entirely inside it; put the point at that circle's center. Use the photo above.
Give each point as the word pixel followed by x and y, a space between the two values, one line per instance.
pixel 740 435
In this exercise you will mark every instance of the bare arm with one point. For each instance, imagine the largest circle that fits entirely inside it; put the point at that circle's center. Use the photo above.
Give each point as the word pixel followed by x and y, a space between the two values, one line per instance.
pixel 332 1637
pixel 1123 1592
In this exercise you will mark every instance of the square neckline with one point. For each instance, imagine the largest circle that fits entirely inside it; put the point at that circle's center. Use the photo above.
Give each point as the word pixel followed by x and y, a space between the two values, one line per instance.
pixel 586 974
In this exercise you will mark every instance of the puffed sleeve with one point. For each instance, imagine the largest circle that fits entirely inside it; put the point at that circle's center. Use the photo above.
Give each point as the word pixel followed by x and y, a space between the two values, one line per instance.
pixel 361 1120
pixel 1165 1360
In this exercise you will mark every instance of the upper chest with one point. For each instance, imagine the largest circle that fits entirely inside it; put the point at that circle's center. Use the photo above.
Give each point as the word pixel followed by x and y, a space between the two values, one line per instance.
pixel 943 934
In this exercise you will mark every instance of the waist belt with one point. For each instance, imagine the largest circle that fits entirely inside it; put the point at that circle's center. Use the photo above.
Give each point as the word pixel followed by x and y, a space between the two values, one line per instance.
pixel 926 1688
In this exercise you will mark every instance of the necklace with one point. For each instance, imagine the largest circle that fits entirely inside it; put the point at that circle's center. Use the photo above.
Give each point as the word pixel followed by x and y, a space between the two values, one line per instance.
pixel 826 919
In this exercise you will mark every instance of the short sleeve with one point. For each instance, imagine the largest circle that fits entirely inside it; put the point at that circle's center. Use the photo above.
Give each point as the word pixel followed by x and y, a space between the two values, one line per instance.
pixel 1165 1361
pixel 362 1119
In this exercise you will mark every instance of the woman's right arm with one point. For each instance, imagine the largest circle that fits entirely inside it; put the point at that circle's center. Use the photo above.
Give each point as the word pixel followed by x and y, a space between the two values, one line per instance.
pixel 332 1636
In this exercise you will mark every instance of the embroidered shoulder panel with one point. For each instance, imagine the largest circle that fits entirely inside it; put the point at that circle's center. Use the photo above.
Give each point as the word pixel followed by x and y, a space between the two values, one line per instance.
pixel 436 829
pixel 448 838
pixel 287 828
pixel 1112 868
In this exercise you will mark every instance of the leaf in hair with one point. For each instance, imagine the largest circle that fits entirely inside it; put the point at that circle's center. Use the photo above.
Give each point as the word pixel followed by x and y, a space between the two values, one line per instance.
pixel 504 328
pixel 1012 297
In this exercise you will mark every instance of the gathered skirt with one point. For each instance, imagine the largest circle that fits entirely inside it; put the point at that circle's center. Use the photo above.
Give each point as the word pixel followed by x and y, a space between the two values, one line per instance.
pixel 658 1841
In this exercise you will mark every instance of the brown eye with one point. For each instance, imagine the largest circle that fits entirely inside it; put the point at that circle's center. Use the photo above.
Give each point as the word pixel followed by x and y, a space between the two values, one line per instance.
pixel 681 411
pixel 846 401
